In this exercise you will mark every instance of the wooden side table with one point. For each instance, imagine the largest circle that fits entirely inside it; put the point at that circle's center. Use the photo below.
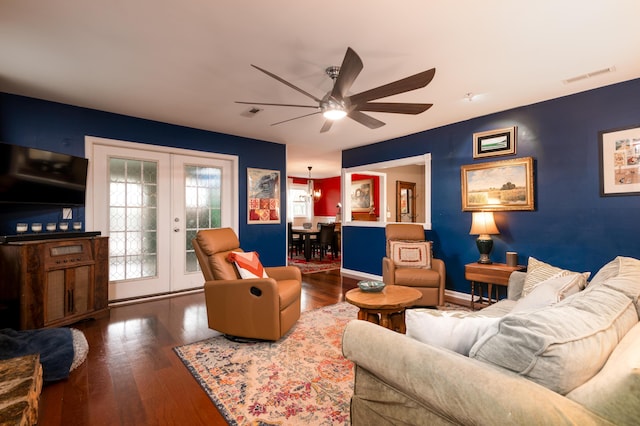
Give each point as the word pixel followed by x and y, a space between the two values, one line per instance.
pixel 385 308
pixel 490 274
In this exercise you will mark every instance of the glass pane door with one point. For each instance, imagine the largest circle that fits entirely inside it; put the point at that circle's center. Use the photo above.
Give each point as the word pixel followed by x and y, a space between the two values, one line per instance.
pixel 151 203
pixel 204 187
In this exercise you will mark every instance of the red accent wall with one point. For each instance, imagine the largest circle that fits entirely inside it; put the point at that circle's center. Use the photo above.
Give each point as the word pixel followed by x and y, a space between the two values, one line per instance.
pixel 330 187
pixel 326 205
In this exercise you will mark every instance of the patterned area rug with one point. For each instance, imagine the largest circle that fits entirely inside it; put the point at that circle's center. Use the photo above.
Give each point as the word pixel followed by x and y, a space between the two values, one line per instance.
pixel 315 265
pixel 301 379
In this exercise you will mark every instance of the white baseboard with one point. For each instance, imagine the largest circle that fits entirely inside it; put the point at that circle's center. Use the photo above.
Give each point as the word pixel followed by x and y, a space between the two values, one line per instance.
pixel 349 273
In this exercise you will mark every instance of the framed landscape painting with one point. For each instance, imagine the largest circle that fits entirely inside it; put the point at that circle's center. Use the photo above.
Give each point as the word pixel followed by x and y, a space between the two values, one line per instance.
pixel 498 185
pixel 263 193
pixel 620 162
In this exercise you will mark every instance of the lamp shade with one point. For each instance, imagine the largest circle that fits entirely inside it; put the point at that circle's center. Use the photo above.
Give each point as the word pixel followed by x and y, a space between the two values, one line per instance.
pixel 482 223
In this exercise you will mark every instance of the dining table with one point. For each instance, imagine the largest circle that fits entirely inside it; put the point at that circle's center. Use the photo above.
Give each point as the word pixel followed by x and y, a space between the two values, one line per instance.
pixel 306 237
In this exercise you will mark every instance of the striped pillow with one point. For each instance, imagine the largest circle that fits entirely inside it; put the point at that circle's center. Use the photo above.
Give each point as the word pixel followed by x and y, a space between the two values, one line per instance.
pixel 413 254
pixel 248 264
pixel 538 271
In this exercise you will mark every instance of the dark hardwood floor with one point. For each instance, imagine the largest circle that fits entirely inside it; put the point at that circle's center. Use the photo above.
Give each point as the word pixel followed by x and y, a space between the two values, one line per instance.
pixel 133 377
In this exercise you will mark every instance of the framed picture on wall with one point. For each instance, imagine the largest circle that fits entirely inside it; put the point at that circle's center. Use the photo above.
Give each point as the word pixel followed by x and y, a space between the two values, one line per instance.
pixel 263 193
pixel 498 185
pixel 495 142
pixel 361 195
pixel 620 161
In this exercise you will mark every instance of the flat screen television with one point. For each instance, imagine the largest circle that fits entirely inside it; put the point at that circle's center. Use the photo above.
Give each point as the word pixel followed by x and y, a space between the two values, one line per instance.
pixel 36 176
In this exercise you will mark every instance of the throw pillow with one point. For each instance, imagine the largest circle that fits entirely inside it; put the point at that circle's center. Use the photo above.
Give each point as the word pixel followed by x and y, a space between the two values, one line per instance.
pixel 411 254
pixel 248 264
pixel 609 270
pixel 453 330
pixel 538 271
pixel 550 291
pixel 561 346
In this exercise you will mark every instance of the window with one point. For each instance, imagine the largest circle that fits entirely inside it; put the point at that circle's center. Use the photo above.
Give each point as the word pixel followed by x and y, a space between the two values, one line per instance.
pixel 299 201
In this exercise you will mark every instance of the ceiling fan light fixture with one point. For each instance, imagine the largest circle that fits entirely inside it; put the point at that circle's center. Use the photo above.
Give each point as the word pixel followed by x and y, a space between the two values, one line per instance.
pixel 332 110
pixel 334 114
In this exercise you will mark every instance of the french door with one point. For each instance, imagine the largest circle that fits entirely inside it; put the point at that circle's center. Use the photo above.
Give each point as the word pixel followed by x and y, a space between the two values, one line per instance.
pixel 151 202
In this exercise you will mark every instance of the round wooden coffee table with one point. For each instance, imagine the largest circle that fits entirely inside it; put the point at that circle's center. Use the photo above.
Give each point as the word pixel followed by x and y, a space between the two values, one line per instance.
pixel 385 308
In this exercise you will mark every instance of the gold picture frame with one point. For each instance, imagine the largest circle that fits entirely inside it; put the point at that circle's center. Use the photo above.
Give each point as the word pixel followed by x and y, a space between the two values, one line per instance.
pixel 498 186
pixel 263 196
pixel 494 143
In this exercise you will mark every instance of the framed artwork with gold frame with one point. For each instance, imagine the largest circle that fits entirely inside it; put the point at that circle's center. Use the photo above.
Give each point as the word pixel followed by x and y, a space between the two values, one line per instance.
pixel 498 185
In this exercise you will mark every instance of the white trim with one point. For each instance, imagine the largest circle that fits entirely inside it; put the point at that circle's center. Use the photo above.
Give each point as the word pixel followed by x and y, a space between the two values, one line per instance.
pixel 424 159
pixel 457 294
pixel 350 273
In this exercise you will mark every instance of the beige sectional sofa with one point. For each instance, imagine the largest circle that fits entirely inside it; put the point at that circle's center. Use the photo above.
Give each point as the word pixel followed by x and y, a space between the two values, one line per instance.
pixel 574 361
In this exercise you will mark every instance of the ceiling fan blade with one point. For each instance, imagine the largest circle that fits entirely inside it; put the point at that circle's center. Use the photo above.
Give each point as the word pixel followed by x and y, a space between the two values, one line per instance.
pixel 295 118
pixel 349 71
pixel 392 107
pixel 283 81
pixel 287 105
pixel 326 126
pixel 413 82
pixel 365 120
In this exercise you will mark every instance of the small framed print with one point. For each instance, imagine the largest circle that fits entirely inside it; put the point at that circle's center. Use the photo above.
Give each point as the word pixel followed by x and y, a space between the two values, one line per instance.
pixel 620 162
pixel 263 191
pixel 493 143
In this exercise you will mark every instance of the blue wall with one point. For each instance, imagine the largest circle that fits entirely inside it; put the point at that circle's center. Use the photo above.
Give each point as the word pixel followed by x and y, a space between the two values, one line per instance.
pixel 62 128
pixel 572 226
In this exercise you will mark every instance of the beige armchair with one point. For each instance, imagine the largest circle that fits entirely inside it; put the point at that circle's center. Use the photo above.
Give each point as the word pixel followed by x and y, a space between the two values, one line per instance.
pixel 257 308
pixel 430 282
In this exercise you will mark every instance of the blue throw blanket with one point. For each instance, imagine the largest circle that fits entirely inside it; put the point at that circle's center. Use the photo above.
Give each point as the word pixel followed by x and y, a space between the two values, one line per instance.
pixel 55 346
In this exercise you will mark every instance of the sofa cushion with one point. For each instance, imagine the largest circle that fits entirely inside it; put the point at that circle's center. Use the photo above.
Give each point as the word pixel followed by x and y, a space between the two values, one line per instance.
pixel 613 392
pixel 551 291
pixel 248 264
pixel 538 271
pixel 413 254
pixel 561 346
pixel 453 330
pixel 627 280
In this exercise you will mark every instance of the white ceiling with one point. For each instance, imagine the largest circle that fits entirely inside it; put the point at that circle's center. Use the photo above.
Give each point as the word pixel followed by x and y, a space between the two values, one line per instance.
pixel 186 62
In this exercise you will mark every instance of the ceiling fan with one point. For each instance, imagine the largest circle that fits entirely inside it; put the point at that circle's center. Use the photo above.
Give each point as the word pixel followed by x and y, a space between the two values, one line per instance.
pixel 337 104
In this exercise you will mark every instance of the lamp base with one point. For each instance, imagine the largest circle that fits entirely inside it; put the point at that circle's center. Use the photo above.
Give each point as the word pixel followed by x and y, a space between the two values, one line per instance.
pixel 484 247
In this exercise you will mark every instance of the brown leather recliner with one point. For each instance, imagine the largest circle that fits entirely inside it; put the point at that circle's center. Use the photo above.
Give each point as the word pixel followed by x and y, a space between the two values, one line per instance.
pixel 257 308
pixel 430 282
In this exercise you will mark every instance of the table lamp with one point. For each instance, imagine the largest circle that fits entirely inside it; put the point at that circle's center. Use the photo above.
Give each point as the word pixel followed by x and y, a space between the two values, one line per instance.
pixel 483 225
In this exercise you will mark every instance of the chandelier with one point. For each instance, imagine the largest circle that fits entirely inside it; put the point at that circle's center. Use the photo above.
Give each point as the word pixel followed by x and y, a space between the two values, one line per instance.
pixel 312 195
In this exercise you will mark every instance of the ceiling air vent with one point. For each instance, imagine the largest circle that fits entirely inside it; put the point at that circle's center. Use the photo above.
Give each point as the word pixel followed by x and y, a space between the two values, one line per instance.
pixel 589 75
pixel 251 112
